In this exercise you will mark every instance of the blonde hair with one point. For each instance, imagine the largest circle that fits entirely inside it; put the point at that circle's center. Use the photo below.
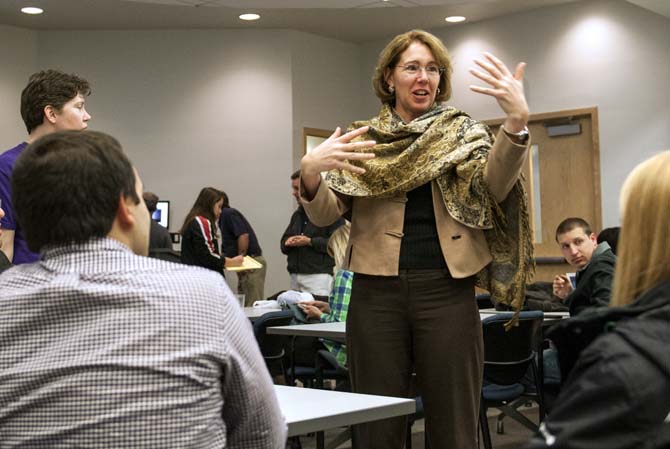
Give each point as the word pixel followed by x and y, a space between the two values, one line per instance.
pixel 390 56
pixel 644 246
pixel 337 244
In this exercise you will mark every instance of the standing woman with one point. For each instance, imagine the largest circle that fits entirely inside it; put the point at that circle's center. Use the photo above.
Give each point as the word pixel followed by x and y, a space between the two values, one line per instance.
pixel 435 206
pixel 199 245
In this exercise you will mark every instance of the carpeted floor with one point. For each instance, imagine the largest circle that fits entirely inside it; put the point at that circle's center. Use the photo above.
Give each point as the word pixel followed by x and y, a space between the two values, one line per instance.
pixel 515 435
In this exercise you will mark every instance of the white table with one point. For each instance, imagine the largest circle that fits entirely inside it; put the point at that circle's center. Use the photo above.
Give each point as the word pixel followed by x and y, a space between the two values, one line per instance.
pixel 548 316
pixel 331 331
pixel 254 312
pixel 309 410
pixel 337 331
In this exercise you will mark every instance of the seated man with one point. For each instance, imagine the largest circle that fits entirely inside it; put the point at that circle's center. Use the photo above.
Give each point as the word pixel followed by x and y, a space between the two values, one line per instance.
pixel 159 237
pixel 102 347
pixel 594 263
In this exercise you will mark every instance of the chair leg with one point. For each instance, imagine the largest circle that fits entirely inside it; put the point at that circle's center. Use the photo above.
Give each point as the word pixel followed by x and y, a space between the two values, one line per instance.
pixel 294 443
pixel 408 438
pixel 484 424
pixel 515 415
pixel 320 440
pixel 340 438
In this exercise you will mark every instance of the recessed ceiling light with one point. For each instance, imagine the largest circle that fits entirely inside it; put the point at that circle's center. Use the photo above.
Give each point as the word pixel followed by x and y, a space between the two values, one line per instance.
pixel 32 10
pixel 455 19
pixel 249 16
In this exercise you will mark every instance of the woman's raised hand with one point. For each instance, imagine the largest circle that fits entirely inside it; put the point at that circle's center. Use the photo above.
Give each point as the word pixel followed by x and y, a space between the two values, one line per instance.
pixel 506 88
pixel 335 151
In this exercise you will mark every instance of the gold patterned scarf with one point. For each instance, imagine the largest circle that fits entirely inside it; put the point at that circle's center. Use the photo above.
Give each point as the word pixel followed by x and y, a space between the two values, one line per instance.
pixel 447 145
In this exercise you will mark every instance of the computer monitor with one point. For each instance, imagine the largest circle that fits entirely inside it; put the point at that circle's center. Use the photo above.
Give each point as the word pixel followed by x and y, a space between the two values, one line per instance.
pixel 162 213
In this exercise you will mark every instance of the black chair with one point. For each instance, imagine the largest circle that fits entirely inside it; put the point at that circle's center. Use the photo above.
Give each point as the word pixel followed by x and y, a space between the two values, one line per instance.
pixel 508 356
pixel 327 367
pixel 165 254
pixel 272 346
pixel 484 301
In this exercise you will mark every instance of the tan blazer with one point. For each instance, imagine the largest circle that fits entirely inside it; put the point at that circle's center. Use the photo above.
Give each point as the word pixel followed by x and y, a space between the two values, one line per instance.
pixel 377 223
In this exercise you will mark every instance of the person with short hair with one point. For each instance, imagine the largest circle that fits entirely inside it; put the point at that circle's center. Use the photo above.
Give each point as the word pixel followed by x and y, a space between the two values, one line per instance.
pixel 159 237
pixel 611 236
pixel 617 394
pixel 102 347
pixel 593 261
pixel 51 101
pixel 239 240
pixel 306 248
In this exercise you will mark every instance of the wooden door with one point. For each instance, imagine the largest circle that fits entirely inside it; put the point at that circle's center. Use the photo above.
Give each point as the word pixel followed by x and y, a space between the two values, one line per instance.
pixel 562 179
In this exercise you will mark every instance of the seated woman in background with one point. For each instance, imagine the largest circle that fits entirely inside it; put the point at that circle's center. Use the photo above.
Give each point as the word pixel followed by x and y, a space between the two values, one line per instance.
pixel 617 396
pixel 335 310
pixel 199 245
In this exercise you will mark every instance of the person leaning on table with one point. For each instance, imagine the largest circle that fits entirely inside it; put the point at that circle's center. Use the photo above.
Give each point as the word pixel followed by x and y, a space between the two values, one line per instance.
pixel 434 204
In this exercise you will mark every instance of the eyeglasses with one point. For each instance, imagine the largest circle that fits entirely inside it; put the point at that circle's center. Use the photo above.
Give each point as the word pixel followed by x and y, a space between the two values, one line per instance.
pixel 412 69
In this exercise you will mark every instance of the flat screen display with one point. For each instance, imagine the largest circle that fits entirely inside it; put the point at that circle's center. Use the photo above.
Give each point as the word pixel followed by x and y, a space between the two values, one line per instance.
pixel 162 213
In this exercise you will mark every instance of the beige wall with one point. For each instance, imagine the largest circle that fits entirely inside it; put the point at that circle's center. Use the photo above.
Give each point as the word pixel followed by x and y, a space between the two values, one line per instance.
pixel 609 54
pixel 18 53
pixel 226 107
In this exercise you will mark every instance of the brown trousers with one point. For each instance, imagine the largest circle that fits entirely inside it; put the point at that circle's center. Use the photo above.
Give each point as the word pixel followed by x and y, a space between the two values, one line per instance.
pixel 423 322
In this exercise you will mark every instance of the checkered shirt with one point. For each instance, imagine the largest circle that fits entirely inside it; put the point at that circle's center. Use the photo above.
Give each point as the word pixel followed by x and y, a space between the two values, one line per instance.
pixel 339 306
pixel 101 348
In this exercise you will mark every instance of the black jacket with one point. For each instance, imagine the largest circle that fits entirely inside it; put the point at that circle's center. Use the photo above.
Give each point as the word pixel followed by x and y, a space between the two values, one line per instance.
pixel 159 237
pixel 4 262
pixel 594 283
pixel 617 396
pixel 308 259
pixel 200 247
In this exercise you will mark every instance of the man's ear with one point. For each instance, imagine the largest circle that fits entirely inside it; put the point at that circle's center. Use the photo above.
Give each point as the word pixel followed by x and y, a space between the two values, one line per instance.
pixel 124 213
pixel 594 238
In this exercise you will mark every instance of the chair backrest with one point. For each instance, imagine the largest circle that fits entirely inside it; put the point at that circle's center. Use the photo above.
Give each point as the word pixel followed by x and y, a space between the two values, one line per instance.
pixel 271 345
pixel 484 301
pixel 507 353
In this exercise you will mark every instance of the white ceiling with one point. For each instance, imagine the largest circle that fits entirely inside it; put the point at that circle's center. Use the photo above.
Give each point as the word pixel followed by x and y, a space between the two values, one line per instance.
pixel 349 20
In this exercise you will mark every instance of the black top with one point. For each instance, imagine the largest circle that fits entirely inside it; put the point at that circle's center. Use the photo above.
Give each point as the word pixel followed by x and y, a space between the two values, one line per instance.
pixel 617 394
pixel 4 262
pixel 420 247
pixel 199 246
pixel 159 237
pixel 594 282
pixel 233 224
pixel 311 259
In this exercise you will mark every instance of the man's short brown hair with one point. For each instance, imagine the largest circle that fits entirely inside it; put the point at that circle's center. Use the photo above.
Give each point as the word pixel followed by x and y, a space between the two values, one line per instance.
pixel 571 223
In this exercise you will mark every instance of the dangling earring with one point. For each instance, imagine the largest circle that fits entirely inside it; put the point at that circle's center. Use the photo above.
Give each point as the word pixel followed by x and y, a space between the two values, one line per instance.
pixel 392 89
pixel 438 91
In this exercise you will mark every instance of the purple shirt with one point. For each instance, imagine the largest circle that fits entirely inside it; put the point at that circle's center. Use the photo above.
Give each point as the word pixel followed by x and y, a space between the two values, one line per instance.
pixel 7 160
